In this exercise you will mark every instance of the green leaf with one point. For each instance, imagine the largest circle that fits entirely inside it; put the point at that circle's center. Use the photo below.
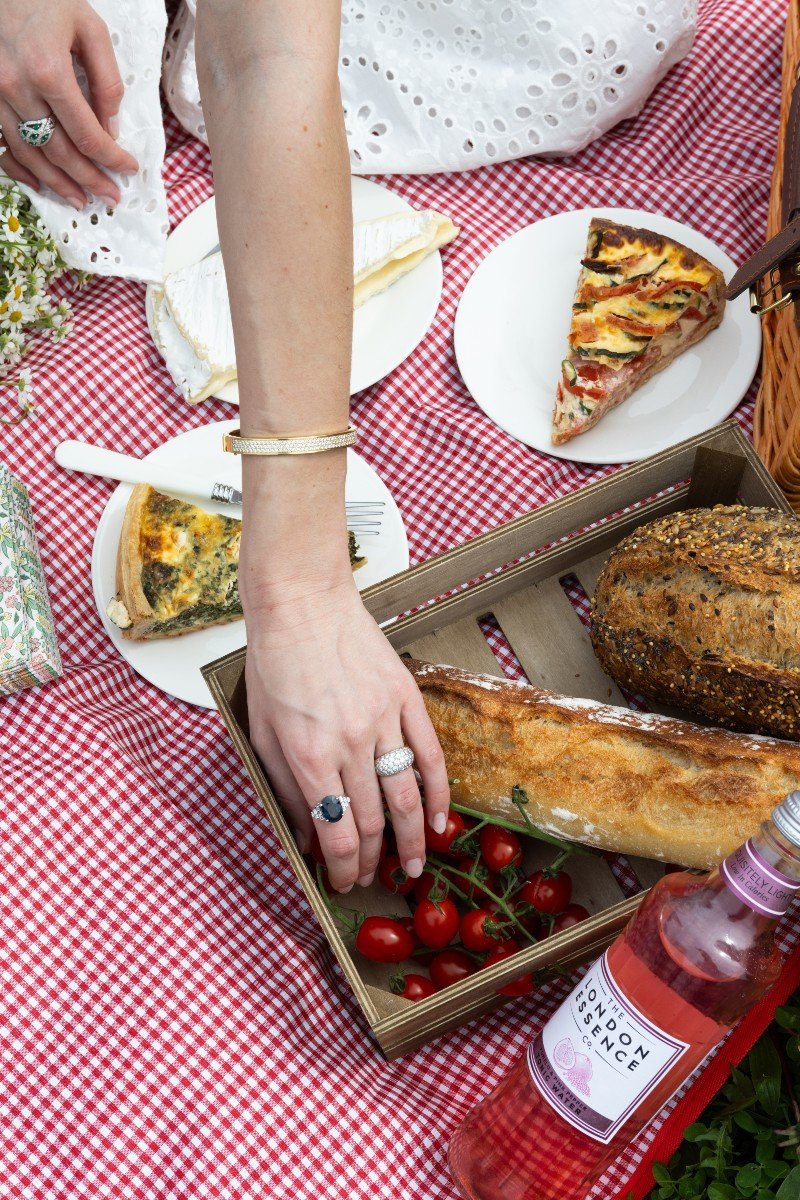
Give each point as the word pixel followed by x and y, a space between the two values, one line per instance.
pixel 790 1188
pixel 746 1121
pixel 765 1069
pixel 721 1191
pixel 661 1173
pixel 747 1180
pixel 693 1132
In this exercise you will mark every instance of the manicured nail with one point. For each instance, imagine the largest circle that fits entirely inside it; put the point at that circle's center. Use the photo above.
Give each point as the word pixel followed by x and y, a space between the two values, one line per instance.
pixel 76 203
pixel 113 127
pixel 366 880
pixel 302 840
pixel 343 891
pixel 439 822
pixel 109 201
pixel 414 867
pixel 131 170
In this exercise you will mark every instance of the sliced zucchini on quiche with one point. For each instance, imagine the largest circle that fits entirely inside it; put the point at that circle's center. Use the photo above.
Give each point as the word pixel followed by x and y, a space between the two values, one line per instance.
pixel 177 567
pixel 641 300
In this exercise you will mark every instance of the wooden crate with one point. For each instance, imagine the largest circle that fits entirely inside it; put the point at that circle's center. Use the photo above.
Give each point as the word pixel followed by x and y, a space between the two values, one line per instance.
pixel 514 573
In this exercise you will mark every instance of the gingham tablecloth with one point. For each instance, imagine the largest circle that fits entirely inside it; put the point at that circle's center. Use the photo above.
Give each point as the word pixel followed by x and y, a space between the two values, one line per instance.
pixel 173 1023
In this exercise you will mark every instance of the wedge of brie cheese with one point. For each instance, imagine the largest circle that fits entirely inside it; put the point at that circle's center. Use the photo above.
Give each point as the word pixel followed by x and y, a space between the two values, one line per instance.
pixel 192 314
pixel 389 247
pixel 192 375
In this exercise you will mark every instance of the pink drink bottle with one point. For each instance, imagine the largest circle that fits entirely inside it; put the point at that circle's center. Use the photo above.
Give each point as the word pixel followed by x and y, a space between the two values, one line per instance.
pixel 696 956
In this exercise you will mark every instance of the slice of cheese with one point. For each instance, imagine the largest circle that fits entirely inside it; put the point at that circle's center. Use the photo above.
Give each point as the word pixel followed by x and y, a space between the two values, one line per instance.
pixel 197 296
pixel 389 247
pixel 194 330
pixel 193 375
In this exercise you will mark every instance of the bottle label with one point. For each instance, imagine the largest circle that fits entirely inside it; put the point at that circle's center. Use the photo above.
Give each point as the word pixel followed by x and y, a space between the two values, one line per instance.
pixel 756 882
pixel 597 1059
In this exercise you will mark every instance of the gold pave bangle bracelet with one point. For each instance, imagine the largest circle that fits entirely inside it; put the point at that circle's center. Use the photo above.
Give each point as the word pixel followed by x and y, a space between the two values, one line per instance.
pixel 234 443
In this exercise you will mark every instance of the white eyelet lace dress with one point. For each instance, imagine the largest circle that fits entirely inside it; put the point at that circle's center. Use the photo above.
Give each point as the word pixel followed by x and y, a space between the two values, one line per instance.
pixel 427 86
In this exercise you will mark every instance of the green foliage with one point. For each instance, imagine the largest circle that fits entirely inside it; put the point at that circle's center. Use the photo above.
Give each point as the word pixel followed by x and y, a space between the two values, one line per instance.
pixel 746 1145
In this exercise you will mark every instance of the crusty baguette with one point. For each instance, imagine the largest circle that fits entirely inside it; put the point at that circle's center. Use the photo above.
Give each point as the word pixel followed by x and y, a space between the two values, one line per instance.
pixel 701 609
pixel 631 782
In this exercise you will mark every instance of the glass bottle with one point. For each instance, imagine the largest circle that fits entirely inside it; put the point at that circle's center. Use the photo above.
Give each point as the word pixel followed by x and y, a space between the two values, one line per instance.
pixel 698 954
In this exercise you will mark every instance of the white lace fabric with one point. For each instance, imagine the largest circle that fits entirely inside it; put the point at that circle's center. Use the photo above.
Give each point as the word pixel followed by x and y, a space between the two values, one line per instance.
pixel 130 239
pixel 447 85
pixel 427 85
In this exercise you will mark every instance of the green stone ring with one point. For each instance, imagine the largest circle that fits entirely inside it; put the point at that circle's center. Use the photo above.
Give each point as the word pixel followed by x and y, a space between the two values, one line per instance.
pixel 38 132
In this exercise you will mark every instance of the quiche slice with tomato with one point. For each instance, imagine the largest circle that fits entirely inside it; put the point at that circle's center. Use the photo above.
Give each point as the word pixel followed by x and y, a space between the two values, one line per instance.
pixel 641 300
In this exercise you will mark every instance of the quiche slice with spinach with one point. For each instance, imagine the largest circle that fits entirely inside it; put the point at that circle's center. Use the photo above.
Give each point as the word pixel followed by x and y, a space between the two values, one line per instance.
pixel 177 567
pixel 641 300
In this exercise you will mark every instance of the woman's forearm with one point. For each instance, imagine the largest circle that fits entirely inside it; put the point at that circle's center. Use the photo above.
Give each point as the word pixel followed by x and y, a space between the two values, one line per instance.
pixel 269 82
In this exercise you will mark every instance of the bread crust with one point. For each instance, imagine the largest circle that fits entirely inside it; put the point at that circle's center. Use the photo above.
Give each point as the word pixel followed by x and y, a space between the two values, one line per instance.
pixel 701 609
pixel 635 783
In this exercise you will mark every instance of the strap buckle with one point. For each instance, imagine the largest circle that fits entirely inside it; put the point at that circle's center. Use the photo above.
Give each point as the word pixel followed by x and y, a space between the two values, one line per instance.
pixel 762 289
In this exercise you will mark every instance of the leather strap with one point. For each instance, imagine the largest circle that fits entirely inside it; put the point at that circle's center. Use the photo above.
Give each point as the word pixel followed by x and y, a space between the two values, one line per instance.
pixel 781 252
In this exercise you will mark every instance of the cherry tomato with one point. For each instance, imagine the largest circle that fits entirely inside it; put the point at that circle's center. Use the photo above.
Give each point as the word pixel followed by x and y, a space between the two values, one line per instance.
pixel 504 950
pixel 413 987
pixel 423 885
pixel 315 850
pixel 516 987
pixel 545 892
pixel 476 928
pixel 436 924
pixel 383 939
pixel 500 848
pixel 408 925
pixel 573 914
pixel 527 916
pixel 440 843
pixel 393 877
pixel 450 966
pixel 384 848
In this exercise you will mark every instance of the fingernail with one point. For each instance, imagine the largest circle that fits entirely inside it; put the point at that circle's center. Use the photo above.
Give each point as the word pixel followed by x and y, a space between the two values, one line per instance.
pixel 414 867
pixel 366 880
pixel 439 822
pixel 76 203
pixel 131 170
pixel 343 891
pixel 113 127
pixel 302 840
pixel 109 201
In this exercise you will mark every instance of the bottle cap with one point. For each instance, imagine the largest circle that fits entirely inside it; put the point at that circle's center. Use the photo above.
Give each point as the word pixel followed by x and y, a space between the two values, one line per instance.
pixel 786 818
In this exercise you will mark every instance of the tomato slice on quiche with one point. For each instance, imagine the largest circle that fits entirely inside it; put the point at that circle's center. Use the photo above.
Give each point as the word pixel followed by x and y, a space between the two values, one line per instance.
pixel 641 300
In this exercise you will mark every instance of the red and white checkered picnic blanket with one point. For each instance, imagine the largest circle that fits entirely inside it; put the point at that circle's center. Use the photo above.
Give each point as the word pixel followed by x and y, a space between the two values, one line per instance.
pixel 173 1023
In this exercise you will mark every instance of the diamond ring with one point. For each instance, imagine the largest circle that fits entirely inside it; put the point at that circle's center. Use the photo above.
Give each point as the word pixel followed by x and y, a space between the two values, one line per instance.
pixel 37 132
pixel 331 809
pixel 393 762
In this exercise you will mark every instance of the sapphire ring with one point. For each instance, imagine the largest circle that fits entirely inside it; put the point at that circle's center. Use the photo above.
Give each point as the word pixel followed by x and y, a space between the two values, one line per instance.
pixel 331 809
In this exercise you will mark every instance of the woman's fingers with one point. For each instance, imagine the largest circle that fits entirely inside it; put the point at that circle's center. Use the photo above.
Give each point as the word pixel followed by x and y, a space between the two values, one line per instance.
pixel 105 83
pixel 89 140
pixel 32 160
pixel 285 788
pixel 11 167
pixel 405 805
pixel 428 759
pixel 361 785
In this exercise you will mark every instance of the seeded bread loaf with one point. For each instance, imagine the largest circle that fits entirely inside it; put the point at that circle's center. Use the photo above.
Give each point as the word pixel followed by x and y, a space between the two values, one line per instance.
pixel 632 782
pixel 701 610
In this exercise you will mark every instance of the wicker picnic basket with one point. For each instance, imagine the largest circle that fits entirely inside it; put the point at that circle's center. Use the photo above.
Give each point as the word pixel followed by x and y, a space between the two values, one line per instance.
pixel 777 416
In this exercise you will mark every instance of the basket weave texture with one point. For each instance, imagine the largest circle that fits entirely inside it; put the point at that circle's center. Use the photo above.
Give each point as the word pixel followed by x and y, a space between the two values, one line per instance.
pixel 776 428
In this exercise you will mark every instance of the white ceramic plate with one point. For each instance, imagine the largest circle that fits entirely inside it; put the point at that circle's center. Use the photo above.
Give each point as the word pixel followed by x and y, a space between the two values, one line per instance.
pixel 385 329
pixel 511 335
pixel 173 664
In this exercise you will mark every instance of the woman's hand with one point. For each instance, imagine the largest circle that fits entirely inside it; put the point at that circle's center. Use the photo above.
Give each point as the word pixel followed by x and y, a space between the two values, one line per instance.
pixel 37 79
pixel 326 695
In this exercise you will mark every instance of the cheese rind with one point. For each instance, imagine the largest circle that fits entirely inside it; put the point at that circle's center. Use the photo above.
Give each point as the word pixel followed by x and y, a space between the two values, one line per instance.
pixel 386 249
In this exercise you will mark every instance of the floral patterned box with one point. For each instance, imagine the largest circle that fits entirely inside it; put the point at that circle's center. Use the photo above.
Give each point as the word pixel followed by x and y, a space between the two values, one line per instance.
pixel 28 647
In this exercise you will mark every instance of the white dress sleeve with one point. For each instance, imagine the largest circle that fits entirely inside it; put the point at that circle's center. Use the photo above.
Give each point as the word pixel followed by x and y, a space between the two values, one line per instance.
pixel 447 85
pixel 130 240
